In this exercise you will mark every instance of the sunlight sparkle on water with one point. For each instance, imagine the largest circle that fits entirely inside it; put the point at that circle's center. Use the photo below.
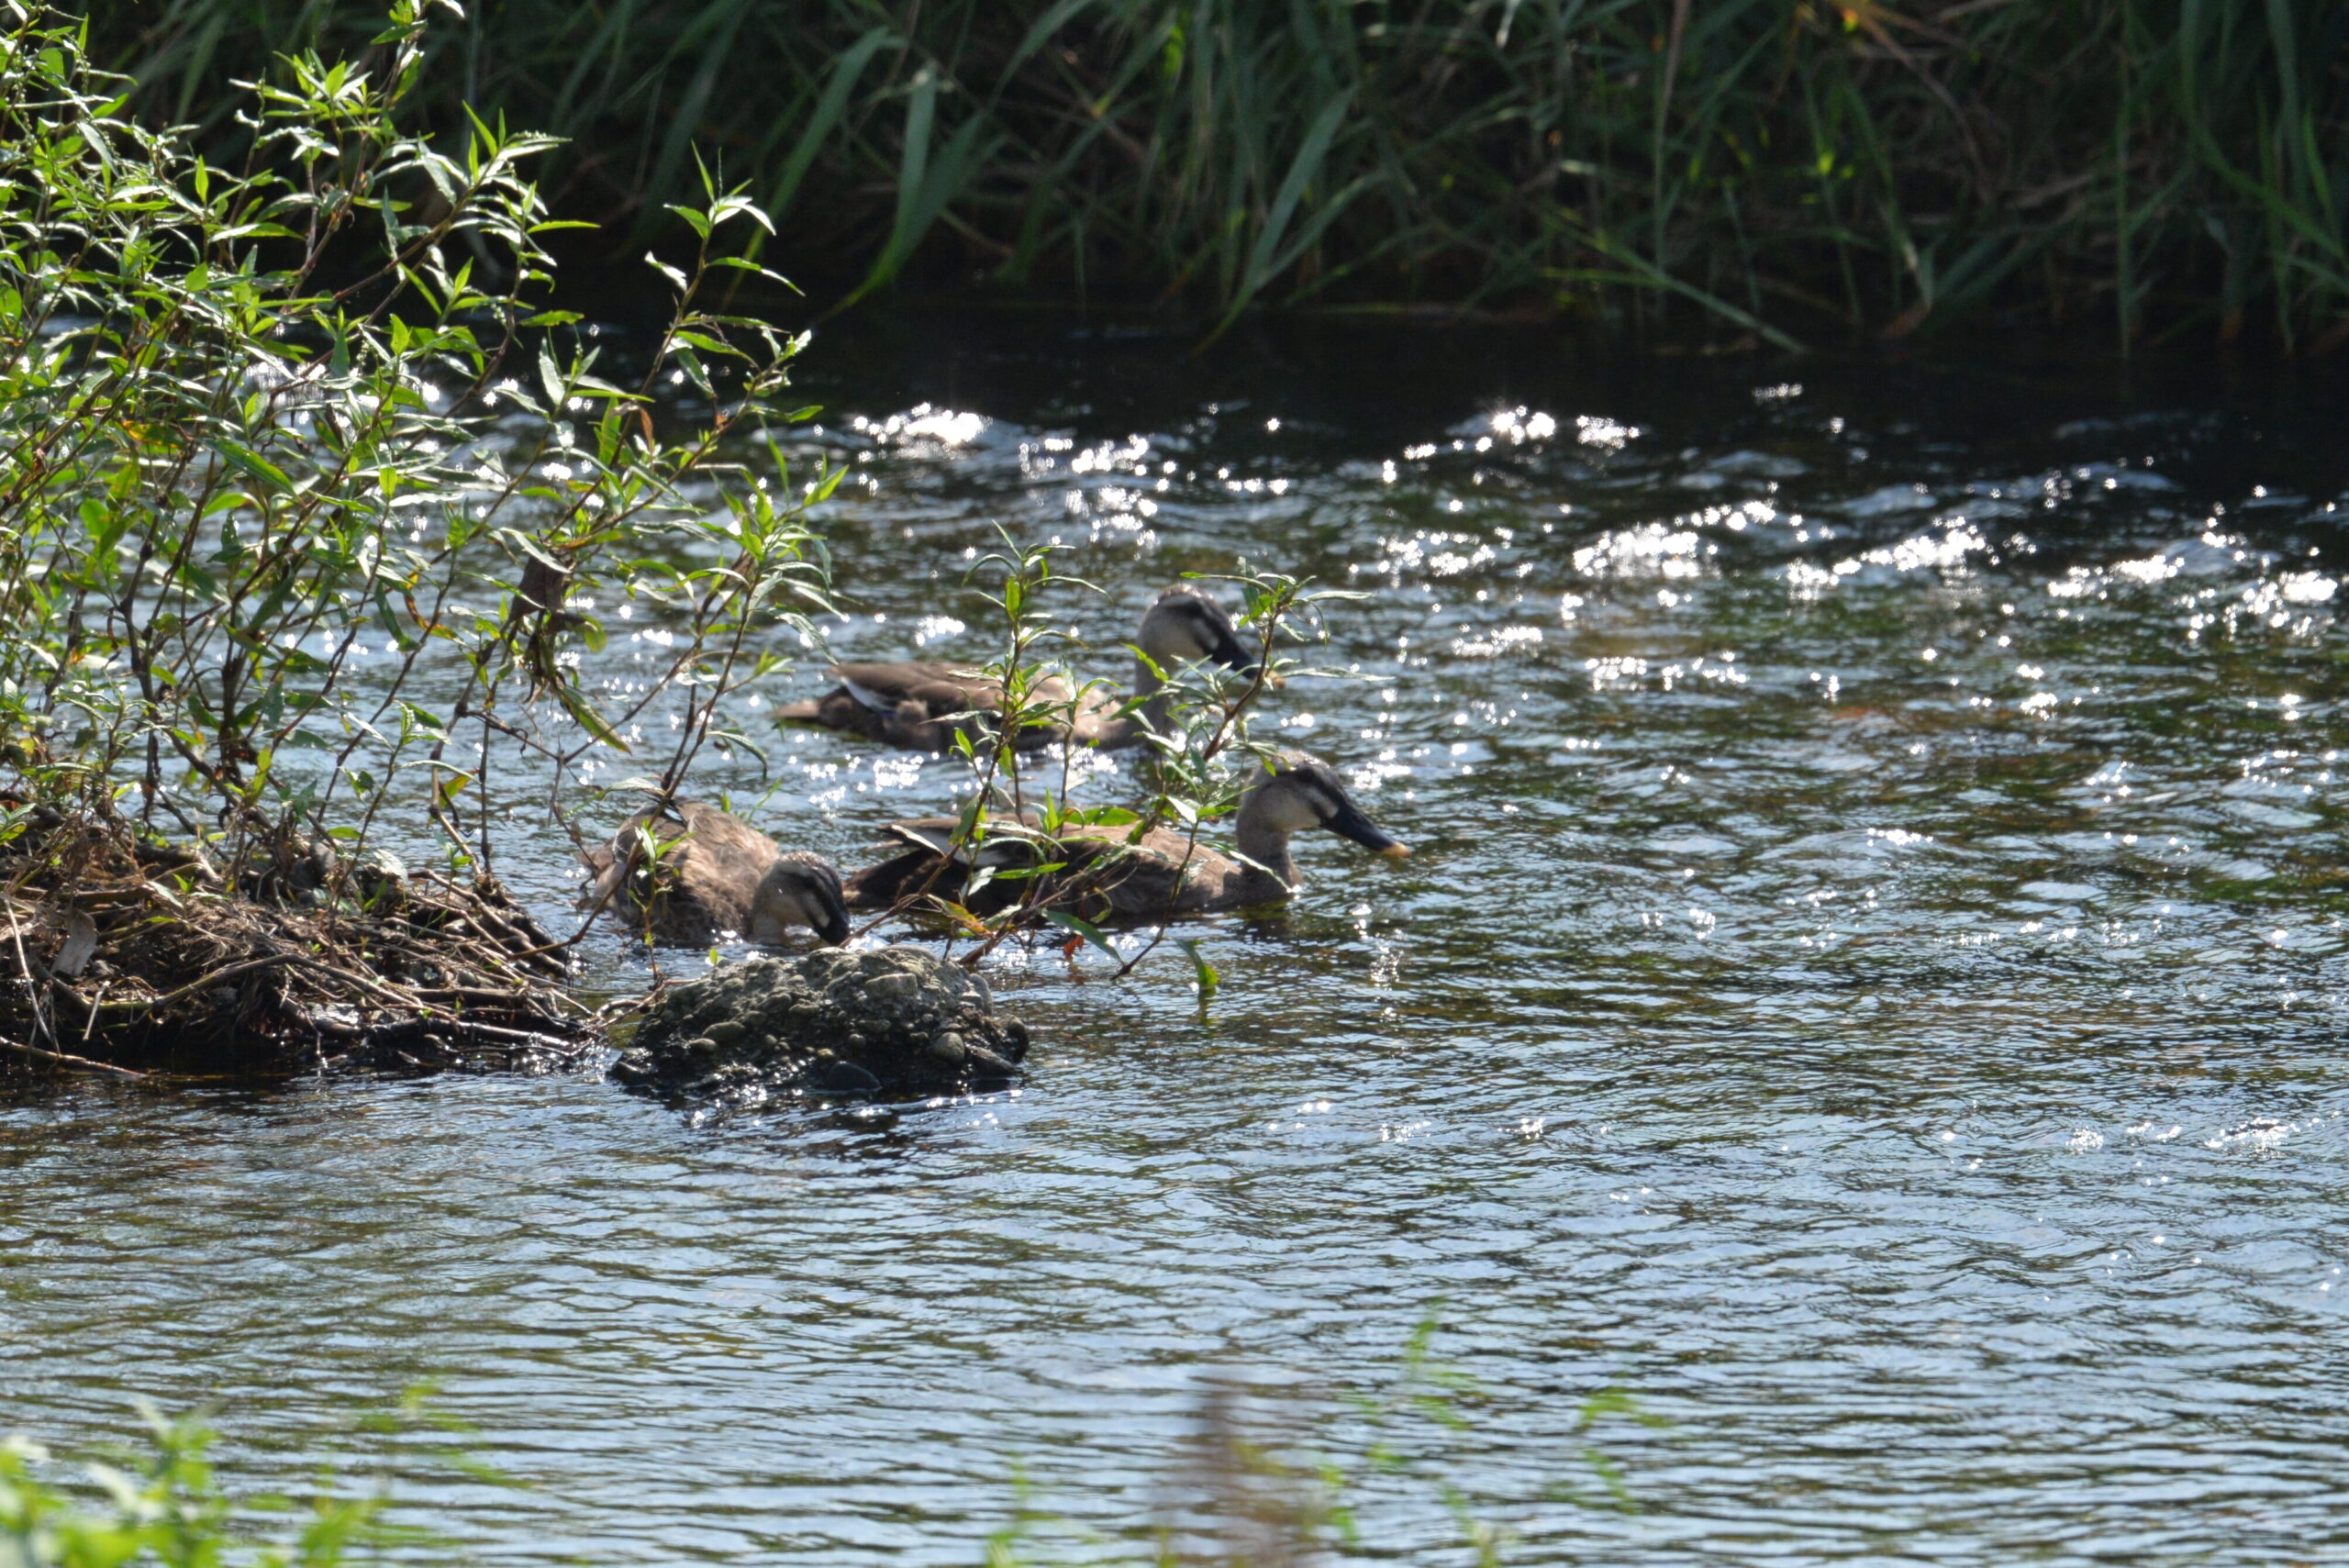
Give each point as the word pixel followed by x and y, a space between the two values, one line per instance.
pixel 923 423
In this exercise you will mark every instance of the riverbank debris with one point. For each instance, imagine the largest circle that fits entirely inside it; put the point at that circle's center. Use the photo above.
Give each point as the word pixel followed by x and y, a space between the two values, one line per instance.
pixel 124 956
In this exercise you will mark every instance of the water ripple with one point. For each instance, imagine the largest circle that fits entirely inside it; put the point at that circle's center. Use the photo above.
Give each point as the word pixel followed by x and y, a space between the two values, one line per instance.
pixel 1870 984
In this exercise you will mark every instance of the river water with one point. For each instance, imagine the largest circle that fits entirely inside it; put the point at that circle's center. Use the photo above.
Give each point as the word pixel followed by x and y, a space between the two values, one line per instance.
pixel 1868 987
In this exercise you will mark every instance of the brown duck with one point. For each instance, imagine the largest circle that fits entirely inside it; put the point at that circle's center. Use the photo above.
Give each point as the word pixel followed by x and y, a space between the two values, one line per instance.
pixel 1165 876
pixel 723 879
pixel 922 707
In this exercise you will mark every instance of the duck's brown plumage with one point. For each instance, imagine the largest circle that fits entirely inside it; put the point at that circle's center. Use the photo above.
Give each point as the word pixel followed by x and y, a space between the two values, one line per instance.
pixel 723 878
pixel 1164 875
pixel 922 705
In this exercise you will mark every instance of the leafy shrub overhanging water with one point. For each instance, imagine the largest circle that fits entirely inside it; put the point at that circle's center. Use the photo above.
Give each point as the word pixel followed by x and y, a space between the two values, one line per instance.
pixel 2171 164
pixel 271 442
pixel 279 448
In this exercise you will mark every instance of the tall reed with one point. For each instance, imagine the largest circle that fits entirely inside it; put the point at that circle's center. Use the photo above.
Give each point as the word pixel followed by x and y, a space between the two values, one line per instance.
pixel 2162 166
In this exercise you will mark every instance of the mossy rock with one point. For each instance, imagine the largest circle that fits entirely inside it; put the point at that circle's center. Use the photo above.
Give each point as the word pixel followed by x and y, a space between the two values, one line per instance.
pixel 887 1021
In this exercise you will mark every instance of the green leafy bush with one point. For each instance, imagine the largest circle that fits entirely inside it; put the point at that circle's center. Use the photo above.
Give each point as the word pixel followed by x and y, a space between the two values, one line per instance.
pixel 272 441
pixel 308 506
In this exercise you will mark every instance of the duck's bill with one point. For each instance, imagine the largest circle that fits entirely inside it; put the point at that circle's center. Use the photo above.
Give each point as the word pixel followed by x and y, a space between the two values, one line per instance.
pixel 1229 652
pixel 827 911
pixel 1349 823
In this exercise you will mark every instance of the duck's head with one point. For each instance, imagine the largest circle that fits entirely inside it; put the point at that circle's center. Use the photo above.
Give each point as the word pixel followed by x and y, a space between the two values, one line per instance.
pixel 1185 626
pixel 801 889
pixel 1299 792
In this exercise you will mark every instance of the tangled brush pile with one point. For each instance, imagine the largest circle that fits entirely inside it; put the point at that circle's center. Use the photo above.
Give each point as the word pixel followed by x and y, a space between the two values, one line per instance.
pixel 121 950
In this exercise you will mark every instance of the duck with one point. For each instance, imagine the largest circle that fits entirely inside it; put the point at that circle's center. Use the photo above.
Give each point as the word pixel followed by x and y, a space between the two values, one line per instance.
pixel 723 879
pixel 1165 876
pixel 920 707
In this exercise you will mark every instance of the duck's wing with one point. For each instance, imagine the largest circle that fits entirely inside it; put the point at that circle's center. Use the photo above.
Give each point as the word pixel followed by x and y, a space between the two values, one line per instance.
pixel 719 832
pixel 926 861
pixel 1009 841
pixel 910 704
pixel 880 885
pixel 720 863
pixel 935 834
pixel 930 858
pixel 943 690
pixel 1177 847
pixel 1164 874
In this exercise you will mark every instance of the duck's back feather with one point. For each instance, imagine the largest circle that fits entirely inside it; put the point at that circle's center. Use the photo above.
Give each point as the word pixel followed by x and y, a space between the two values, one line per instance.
pixel 1166 873
pixel 708 884
pixel 922 705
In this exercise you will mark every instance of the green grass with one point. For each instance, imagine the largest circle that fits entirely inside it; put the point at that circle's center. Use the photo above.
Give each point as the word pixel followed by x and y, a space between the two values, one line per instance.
pixel 1266 1478
pixel 166 1507
pixel 2145 167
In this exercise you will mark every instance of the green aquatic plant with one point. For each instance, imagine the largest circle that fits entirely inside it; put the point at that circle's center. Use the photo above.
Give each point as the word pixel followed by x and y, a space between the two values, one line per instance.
pixel 1780 167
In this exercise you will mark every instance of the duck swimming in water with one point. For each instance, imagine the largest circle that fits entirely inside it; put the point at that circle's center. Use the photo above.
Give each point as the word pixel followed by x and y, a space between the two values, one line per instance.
pixel 722 878
pixel 1165 876
pixel 922 707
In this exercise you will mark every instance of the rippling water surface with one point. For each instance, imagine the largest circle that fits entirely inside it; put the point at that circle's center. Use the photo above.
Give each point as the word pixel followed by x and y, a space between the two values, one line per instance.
pixel 1870 984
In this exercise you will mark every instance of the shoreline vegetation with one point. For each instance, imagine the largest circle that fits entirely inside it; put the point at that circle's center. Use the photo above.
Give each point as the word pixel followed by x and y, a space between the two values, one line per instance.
pixel 314 510
pixel 302 521
pixel 2151 172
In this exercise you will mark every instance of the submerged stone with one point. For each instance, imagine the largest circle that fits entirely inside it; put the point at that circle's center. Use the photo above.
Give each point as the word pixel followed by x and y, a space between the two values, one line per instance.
pixel 897 1020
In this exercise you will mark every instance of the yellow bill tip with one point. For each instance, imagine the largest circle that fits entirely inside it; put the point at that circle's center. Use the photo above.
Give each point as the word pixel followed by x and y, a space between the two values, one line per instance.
pixel 1396 852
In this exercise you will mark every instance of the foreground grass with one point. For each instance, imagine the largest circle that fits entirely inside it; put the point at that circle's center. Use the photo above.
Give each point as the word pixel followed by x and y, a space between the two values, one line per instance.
pixel 166 1507
pixel 1252 1488
pixel 1783 167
